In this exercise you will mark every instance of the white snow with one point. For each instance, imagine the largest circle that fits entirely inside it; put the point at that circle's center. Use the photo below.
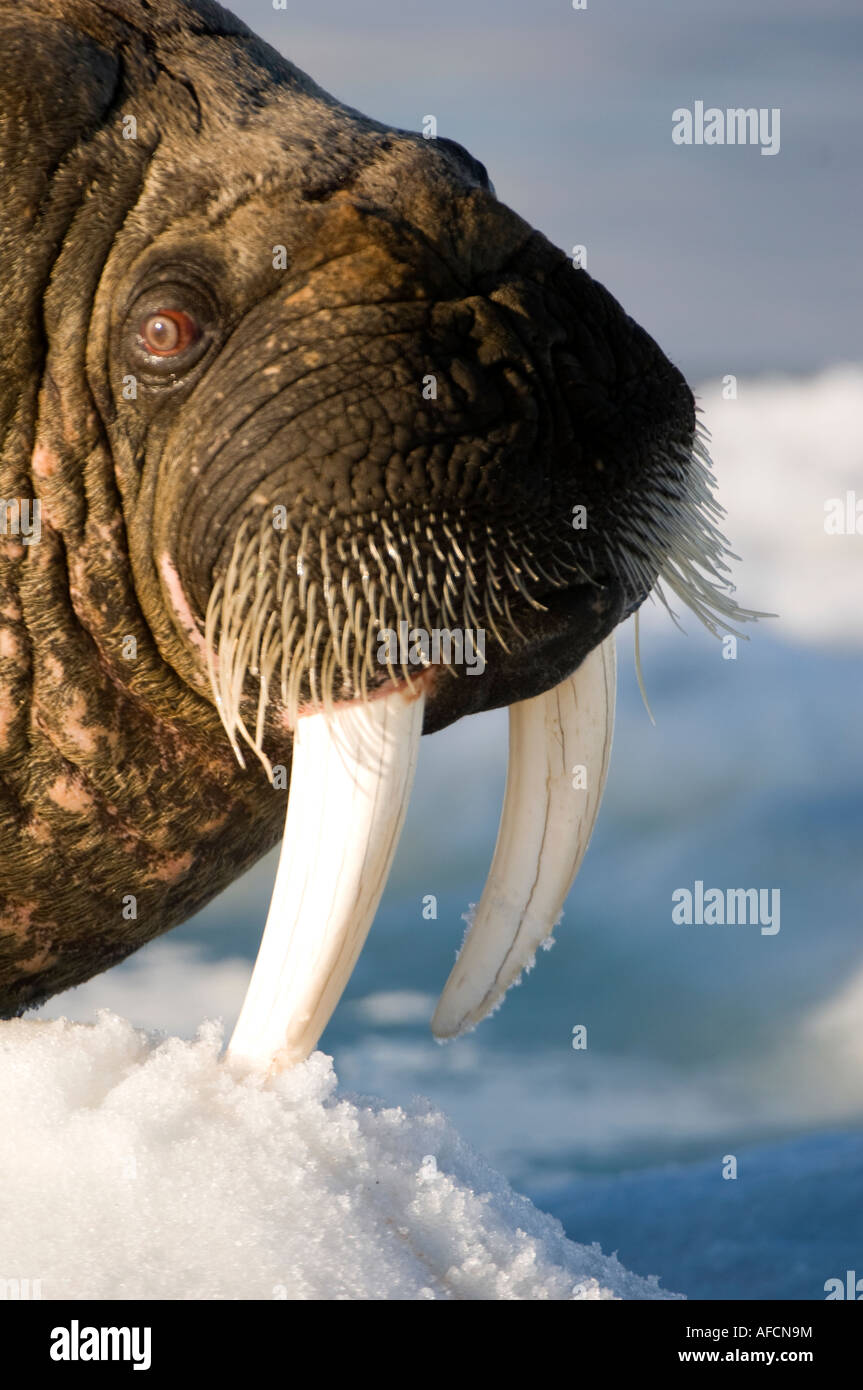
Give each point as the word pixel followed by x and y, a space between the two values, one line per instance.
pixel 137 1168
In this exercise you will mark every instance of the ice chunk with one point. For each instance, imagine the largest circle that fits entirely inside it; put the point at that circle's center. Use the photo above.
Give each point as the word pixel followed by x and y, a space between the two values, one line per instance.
pixel 134 1167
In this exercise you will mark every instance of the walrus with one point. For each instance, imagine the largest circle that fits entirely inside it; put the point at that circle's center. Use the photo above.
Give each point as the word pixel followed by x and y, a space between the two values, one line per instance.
pixel 284 394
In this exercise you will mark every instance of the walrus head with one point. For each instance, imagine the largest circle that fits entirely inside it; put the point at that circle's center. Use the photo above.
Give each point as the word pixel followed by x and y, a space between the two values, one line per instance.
pixel 329 449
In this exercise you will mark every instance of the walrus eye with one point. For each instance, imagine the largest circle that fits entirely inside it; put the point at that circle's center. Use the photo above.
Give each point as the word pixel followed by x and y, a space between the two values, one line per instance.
pixel 168 329
pixel 168 332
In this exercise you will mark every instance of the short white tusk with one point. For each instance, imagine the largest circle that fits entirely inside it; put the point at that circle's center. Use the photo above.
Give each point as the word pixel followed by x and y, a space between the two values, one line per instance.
pixel 545 828
pixel 351 779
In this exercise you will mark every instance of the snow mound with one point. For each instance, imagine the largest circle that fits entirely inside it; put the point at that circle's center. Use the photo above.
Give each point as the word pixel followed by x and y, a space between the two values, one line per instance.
pixel 134 1167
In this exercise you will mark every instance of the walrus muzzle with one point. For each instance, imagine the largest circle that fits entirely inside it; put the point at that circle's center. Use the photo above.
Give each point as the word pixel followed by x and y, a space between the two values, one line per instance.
pixel 332 449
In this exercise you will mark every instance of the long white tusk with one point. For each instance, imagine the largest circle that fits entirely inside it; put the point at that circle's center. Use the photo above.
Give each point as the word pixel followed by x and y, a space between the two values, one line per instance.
pixel 351 779
pixel 545 828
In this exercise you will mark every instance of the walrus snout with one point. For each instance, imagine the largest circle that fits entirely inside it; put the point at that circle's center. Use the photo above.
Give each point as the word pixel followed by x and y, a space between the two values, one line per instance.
pixel 444 425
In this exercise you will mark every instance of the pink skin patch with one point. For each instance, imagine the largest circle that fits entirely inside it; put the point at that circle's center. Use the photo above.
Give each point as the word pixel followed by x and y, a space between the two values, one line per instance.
pixel 7 714
pixel 43 462
pixel 10 645
pixel 180 604
pixel 74 728
pixel 420 684
pixel 173 868
pixel 38 832
pixel 17 920
pixel 69 796
pixel 38 962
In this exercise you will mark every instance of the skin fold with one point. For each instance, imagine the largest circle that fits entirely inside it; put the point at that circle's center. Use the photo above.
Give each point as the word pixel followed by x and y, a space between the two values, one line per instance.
pixel 160 159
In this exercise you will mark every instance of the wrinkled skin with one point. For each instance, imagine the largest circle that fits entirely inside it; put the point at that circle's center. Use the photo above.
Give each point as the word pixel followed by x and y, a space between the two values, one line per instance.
pixel 304 389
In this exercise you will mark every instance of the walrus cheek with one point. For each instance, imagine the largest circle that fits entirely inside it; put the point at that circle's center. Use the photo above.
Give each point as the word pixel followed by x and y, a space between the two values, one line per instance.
pixel 352 773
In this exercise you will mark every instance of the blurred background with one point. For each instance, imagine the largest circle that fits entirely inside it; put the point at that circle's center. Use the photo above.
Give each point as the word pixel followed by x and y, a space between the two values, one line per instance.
pixel 703 1041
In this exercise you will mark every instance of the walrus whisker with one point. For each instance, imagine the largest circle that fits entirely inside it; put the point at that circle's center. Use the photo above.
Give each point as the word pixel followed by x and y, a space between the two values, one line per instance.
pixel 488 618
pixel 289 622
pixel 434 595
pixel 638 670
pixel 393 551
pixel 334 616
pixel 241 667
pixel 399 598
pixel 227 647
pixel 334 588
pixel 431 537
pixel 347 631
pixel 301 565
pixel 261 605
pixel 674 540
pixel 450 598
pixel 289 648
pixel 511 620
pixel 320 696
pixel 452 537
pixel 311 609
pixel 366 666
pixel 282 579
pixel 267 666
pixel 210 622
